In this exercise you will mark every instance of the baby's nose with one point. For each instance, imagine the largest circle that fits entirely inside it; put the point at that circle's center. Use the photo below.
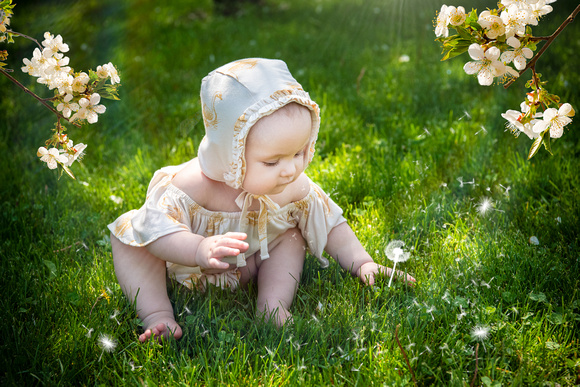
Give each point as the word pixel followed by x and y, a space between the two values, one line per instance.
pixel 289 170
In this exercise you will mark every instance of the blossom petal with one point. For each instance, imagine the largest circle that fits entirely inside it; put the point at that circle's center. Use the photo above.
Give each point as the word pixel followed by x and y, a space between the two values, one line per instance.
pixel 540 126
pixel 565 109
pixel 513 41
pixel 507 56
pixel 520 62
pixel 492 53
pixel 472 67
pixel 550 114
pixel 485 77
pixel 556 131
pixel 475 52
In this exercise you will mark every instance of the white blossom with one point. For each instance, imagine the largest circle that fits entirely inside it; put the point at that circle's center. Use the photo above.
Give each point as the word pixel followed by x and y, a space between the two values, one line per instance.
pixel 89 108
pixel 51 157
pixel 539 9
pixel 56 65
pixel 518 55
pixel 35 66
pixel 492 24
pixel 442 23
pixel 555 120
pixel 66 107
pixel 75 153
pixel 456 15
pixel 514 118
pixel 108 71
pixel 113 74
pixel 515 20
pixel 53 45
pixel 80 82
pixel 485 64
pixel 64 83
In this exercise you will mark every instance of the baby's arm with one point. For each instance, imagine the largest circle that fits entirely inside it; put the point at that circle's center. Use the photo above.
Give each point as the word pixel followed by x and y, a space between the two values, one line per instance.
pixel 344 247
pixel 188 249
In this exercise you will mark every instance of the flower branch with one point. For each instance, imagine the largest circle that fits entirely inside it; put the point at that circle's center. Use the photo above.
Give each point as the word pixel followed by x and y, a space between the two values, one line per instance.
pixel 41 100
pixel 549 41
pixel 24 36
pixel 501 46
pixel 77 95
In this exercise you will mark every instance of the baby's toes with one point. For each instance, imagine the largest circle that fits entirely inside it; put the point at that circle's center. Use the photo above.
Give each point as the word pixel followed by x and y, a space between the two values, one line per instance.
pixel 145 336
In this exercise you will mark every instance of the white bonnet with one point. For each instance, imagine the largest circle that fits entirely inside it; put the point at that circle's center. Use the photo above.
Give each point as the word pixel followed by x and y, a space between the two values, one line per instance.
pixel 233 98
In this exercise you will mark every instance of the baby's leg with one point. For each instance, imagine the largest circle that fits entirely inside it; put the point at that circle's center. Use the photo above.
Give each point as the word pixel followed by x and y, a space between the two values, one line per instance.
pixel 279 275
pixel 142 277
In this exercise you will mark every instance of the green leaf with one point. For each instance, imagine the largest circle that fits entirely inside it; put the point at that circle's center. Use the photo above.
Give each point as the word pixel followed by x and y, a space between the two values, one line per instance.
pixel 51 268
pixel 472 17
pixel 540 297
pixel 556 318
pixel 68 171
pixel 455 52
pixel 548 145
pixel 463 33
pixel 536 146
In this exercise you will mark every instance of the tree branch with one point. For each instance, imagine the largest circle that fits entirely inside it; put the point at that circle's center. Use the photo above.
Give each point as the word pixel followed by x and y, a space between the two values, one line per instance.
pixel 24 36
pixel 551 38
pixel 42 101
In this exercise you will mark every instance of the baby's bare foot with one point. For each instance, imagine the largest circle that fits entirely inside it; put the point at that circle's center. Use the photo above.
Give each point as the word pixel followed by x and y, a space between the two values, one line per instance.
pixel 161 331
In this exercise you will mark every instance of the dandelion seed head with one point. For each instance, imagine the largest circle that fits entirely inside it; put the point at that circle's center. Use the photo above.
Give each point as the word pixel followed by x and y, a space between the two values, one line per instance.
pixel 395 252
pixel 480 332
pixel 107 343
pixel 484 206
pixel 534 240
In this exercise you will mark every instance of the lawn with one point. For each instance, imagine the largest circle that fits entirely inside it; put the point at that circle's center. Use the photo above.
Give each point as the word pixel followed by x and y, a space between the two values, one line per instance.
pixel 409 147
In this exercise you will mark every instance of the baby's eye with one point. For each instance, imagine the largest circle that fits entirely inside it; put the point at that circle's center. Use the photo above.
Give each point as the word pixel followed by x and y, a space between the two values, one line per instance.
pixel 270 163
pixel 299 154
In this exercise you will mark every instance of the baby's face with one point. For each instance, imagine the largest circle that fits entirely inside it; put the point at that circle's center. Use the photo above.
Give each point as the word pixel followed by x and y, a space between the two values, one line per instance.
pixel 276 150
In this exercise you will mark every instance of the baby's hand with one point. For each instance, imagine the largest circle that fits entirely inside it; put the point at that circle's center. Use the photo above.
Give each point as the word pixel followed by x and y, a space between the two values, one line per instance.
pixel 368 270
pixel 212 249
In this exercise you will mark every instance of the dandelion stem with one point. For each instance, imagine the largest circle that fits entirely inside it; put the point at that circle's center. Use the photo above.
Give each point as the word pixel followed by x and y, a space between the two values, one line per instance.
pixel 549 41
pixel 404 354
pixel 42 101
pixel 392 273
pixel 476 364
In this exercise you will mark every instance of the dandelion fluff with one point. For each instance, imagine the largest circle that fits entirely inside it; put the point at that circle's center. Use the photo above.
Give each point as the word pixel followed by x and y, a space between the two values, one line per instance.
pixel 394 251
pixel 484 206
pixel 107 343
pixel 480 332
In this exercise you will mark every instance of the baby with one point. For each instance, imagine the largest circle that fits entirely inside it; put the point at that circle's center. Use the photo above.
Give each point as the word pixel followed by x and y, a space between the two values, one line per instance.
pixel 243 209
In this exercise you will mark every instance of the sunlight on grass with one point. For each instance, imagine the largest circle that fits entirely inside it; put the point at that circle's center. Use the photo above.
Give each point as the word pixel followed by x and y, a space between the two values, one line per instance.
pixel 408 148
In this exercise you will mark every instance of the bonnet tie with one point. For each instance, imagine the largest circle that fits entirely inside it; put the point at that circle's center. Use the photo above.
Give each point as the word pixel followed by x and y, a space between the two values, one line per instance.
pixel 244 201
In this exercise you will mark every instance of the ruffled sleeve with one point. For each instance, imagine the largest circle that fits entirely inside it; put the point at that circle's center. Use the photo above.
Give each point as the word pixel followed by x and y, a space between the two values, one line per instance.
pixel 319 215
pixel 166 210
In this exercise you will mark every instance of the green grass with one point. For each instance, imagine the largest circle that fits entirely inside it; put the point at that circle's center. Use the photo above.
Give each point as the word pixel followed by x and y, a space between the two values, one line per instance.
pixel 393 144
